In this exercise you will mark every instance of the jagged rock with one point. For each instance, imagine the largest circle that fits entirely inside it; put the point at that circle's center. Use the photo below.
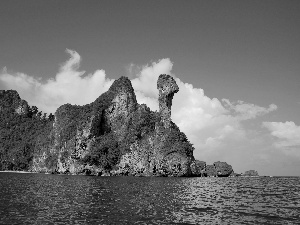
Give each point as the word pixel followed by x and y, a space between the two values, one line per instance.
pixel 223 169
pixel 250 173
pixel 211 171
pixel 167 87
pixel 115 135
pixel 198 168
pixel 161 150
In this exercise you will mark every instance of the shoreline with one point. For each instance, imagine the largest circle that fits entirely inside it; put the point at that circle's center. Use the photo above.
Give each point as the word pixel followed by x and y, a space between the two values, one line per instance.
pixel 14 171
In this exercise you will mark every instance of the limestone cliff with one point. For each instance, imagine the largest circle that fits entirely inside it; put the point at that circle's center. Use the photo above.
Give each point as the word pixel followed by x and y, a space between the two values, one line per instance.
pixel 22 131
pixel 115 135
pixel 167 87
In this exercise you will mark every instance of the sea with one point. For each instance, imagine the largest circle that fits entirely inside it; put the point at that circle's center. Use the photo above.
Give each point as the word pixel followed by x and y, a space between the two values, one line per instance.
pixel 30 198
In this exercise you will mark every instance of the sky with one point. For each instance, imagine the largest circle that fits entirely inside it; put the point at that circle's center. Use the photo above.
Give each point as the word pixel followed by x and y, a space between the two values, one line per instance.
pixel 236 62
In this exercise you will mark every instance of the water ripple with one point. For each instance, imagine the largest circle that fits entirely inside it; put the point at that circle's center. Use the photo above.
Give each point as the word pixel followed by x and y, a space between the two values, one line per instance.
pixel 48 199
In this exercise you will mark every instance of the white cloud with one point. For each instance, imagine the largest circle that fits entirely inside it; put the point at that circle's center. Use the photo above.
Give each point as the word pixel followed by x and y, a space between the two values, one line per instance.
pixel 245 111
pixel 214 126
pixel 68 86
pixel 287 136
pixel 146 80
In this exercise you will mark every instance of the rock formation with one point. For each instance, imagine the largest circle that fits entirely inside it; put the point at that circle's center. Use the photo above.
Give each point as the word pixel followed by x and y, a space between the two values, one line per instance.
pixel 250 173
pixel 22 131
pixel 198 168
pixel 167 87
pixel 223 169
pixel 218 169
pixel 113 135
pixel 211 171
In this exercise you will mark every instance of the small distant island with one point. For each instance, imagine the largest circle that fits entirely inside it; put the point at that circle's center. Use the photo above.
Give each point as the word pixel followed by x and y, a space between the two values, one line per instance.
pixel 112 136
pixel 250 173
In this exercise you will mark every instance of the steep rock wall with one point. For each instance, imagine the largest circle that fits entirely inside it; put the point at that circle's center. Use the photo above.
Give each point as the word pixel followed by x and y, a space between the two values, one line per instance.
pixel 117 136
pixel 113 135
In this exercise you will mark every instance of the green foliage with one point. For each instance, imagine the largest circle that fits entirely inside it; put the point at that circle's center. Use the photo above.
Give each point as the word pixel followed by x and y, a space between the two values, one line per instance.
pixel 64 155
pixel 223 169
pixel 211 171
pixel 32 133
pixel 176 141
pixel 104 152
pixel 67 120
pixel 19 134
pixel 51 161
pixel 141 125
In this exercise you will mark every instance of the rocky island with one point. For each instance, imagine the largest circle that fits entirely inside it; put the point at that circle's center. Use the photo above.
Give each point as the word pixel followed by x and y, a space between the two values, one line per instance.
pixel 250 173
pixel 114 135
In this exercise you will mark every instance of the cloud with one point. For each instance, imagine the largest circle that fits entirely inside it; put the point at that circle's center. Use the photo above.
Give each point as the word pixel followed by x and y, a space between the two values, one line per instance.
pixel 215 127
pixel 69 85
pixel 145 81
pixel 245 111
pixel 287 136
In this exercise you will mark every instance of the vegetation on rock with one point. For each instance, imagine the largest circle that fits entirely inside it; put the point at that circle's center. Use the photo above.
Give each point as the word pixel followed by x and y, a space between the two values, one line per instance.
pixel 223 169
pixel 113 135
pixel 22 130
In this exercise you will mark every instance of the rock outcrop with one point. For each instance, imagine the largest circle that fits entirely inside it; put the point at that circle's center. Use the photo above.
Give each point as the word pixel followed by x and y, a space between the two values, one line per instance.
pixel 250 173
pixel 167 87
pixel 117 136
pixel 23 130
pixel 211 171
pixel 223 169
pixel 198 168
pixel 218 169
pixel 114 135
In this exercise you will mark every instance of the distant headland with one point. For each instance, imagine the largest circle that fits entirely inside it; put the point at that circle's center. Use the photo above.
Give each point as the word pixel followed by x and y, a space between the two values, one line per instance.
pixel 112 136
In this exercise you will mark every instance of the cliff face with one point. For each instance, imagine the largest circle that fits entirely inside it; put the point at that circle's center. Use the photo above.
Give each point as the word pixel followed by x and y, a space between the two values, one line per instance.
pixel 167 87
pixel 115 135
pixel 22 130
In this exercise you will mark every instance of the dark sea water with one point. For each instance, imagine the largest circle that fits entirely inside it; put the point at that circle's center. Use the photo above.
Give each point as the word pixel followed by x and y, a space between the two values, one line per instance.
pixel 63 199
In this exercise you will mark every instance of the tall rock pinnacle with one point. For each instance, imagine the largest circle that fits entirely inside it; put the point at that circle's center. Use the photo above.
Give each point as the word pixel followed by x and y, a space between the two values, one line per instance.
pixel 167 87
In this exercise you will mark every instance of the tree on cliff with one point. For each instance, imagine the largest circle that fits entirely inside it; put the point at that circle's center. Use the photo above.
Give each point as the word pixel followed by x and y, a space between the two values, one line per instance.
pixel 19 132
pixel 104 152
